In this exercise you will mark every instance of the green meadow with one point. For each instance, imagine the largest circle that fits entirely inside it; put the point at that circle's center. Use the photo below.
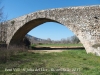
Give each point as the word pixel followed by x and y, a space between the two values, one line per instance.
pixel 68 62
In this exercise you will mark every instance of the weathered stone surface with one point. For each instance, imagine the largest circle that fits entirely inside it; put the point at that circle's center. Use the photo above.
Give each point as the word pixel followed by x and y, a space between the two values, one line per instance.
pixel 84 21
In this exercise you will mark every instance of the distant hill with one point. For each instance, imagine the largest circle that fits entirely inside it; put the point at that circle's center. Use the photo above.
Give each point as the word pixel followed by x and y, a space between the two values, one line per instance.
pixel 33 39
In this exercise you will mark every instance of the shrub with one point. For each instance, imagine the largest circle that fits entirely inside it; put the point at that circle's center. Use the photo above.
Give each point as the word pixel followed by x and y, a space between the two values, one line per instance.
pixel 5 53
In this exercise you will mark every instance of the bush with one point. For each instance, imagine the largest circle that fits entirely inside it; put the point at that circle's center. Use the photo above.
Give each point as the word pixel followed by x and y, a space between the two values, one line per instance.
pixel 33 45
pixel 40 43
pixel 5 53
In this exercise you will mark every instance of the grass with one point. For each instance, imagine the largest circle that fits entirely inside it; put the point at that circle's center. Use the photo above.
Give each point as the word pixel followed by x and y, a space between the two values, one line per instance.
pixel 68 45
pixel 69 62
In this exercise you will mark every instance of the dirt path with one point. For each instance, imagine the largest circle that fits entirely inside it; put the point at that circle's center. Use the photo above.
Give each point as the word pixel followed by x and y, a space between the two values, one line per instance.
pixel 45 51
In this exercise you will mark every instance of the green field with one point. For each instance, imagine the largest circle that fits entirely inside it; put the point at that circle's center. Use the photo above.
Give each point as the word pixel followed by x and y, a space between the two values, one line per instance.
pixel 61 45
pixel 69 62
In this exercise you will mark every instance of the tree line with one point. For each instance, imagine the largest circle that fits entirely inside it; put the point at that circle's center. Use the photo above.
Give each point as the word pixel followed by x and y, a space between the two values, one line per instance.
pixel 73 39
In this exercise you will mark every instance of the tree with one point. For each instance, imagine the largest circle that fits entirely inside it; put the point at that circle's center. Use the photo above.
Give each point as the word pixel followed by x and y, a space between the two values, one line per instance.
pixel 68 40
pixel 3 27
pixel 74 39
pixel 26 42
pixel 1 13
pixel 63 40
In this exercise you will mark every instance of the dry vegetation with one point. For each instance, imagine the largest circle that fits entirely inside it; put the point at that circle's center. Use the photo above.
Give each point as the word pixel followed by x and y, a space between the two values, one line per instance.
pixel 5 53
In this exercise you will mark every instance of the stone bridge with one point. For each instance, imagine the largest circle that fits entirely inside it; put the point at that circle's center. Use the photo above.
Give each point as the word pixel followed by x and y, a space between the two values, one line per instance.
pixel 83 21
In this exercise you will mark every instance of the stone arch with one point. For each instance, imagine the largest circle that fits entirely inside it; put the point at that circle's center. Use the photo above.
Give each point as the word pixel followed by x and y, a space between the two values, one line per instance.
pixel 17 38
pixel 22 31
pixel 84 22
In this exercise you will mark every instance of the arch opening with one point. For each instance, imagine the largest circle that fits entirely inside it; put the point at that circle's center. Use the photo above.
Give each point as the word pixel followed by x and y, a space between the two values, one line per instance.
pixel 52 30
pixel 21 32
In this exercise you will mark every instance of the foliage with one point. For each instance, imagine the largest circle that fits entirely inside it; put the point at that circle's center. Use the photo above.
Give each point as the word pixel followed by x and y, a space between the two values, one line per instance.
pixel 12 22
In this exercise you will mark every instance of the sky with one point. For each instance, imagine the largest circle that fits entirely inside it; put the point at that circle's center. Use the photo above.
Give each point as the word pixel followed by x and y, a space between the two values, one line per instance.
pixel 52 30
